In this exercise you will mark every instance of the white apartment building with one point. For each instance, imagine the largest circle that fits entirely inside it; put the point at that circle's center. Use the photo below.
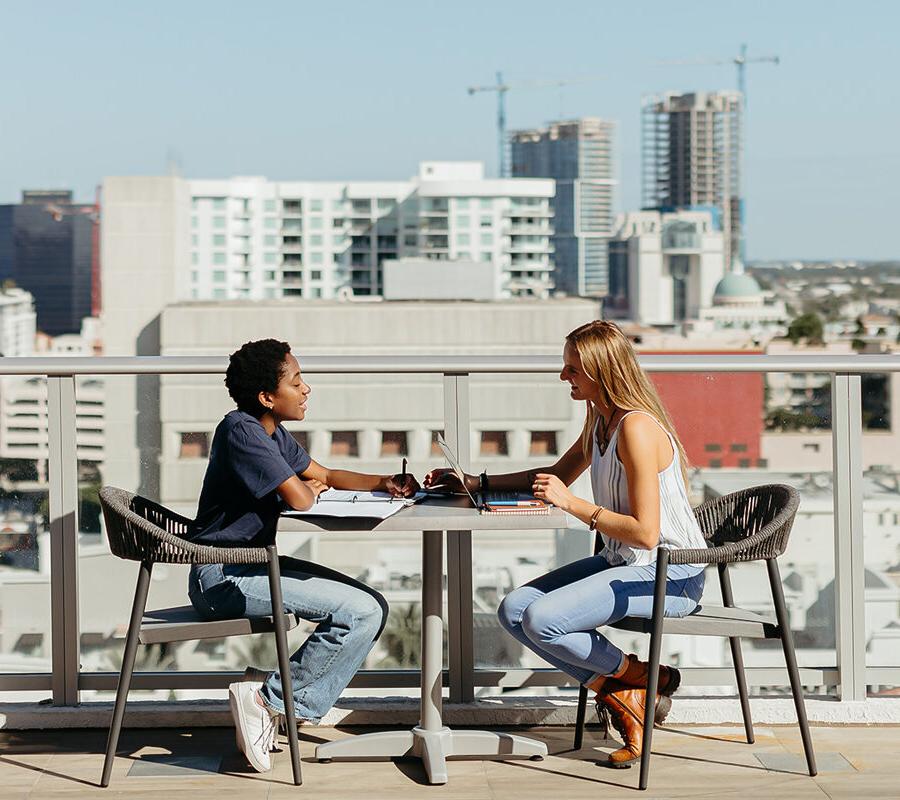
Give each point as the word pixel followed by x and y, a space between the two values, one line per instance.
pixel 663 266
pixel 251 238
pixel 18 323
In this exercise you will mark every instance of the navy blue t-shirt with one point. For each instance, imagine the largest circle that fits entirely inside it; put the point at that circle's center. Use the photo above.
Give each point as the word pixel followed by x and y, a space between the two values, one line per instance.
pixel 238 503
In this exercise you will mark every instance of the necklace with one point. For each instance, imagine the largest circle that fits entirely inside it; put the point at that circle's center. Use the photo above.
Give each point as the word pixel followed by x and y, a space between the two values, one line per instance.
pixel 602 433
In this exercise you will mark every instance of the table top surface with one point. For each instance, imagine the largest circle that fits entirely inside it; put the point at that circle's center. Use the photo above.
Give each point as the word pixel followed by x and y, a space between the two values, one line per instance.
pixel 432 513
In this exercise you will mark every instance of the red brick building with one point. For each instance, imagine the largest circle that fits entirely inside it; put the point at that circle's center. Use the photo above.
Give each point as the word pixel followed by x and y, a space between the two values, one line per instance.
pixel 718 416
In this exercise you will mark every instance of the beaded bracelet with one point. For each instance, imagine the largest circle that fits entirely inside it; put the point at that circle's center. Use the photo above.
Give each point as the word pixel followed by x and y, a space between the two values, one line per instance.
pixel 595 516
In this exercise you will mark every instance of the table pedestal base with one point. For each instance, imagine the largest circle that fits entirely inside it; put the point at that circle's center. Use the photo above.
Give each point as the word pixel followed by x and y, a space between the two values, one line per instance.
pixel 433 747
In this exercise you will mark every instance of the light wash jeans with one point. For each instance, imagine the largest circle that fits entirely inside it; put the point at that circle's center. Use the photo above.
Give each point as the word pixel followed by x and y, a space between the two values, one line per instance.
pixel 350 617
pixel 556 614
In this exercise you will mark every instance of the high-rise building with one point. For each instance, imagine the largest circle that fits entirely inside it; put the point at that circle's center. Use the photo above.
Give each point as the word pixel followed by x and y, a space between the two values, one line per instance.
pixel 577 154
pixel 663 266
pixel 252 238
pixel 691 154
pixel 49 246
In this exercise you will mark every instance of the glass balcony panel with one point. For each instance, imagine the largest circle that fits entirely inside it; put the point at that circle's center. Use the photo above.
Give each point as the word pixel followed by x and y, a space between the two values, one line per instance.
pixel 25 625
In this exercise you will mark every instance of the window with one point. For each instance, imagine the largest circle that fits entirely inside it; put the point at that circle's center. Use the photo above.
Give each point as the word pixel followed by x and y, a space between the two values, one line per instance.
pixel 486 222
pixel 485 202
pixel 487 239
pixel 315 205
pixel 218 240
pixel 493 443
pixel 710 447
pixel 301 438
pixel 270 241
pixel 435 447
pixel 315 240
pixel 315 258
pixel 194 275
pixel 271 223
pixel 315 223
pixel 464 221
pixel 715 463
pixel 218 203
pixel 270 274
pixel 739 447
pixel 543 443
pixel 194 445
pixel 410 240
pixel 219 258
pixel 194 239
pixel 345 444
pixel 218 276
pixel 219 222
pixel 462 239
pixel 385 203
pixel 462 202
pixel 337 205
pixel 194 222
pixel 270 258
pixel 743 462
pixel 464 255
pixel 315 275
pixel 269 206
pixel 487 257
pixel 813 447
pixel 393 443
pixel 195 259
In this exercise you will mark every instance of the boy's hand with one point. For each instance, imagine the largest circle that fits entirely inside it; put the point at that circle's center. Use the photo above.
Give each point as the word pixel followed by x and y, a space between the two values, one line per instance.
pixel 316 487
pixel 400 487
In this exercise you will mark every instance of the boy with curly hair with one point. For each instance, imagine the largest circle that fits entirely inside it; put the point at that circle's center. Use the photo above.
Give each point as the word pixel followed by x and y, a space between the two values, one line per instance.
pixel 256 469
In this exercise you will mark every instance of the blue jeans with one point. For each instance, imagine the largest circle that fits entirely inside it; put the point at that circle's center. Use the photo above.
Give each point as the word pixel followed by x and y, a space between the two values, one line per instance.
pixel 350 617
pixel 556 614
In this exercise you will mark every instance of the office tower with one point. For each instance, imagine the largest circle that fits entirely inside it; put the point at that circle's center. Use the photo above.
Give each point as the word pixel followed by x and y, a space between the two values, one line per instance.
pixel 49 247
pixel 663 266
pixel 577 154
pixel 691 153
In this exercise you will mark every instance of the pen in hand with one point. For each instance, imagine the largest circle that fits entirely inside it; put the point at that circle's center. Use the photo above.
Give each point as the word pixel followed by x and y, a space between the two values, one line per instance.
pixel 403 475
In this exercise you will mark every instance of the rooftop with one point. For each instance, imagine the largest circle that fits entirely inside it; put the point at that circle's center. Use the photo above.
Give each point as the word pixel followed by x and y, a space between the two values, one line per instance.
pixel 857 762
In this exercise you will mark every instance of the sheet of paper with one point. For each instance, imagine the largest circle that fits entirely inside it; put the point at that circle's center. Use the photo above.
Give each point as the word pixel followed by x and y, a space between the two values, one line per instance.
pixel 349 503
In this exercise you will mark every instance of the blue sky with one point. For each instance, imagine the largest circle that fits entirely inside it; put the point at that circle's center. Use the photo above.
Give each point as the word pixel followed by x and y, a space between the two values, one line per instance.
pixel 301 90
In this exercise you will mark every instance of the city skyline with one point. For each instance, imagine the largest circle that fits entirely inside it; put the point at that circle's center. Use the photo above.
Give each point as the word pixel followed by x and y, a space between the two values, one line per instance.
pixel 320 93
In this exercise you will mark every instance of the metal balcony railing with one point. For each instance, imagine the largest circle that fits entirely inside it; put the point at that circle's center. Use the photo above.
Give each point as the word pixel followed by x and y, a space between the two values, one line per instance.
pixel 66 679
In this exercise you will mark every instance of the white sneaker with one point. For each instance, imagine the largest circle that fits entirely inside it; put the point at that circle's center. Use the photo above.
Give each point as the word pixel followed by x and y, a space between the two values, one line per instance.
pixel 254 726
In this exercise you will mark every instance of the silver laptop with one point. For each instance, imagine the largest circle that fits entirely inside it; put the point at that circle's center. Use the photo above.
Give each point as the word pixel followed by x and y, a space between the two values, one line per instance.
pixel 482 499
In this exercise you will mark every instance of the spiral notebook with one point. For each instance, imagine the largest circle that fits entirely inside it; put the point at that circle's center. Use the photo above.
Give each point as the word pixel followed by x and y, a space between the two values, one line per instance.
pixel 494 502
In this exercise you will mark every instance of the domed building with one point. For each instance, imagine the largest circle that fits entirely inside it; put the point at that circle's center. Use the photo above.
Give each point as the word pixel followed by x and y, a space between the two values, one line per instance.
pixel 737 289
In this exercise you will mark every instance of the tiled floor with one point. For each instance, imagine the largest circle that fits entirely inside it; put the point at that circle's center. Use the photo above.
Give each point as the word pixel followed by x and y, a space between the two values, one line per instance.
pixel 854 762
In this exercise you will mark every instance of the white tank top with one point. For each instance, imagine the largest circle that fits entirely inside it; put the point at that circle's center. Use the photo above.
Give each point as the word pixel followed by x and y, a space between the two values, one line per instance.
pixel 678 526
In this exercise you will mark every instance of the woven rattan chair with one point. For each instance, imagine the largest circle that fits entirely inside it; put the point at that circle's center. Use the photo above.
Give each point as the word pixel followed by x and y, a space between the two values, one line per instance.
pixel 141 530
pixel 750 525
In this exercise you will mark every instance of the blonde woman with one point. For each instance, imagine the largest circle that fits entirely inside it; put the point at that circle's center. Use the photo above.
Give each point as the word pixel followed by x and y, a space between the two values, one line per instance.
pixel 639 480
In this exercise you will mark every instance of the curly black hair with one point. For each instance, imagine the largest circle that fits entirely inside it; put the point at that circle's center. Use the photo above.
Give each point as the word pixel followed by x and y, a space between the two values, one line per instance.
pixel 256 367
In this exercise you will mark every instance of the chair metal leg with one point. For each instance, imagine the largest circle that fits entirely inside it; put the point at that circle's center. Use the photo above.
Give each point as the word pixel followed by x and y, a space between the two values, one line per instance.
pixel 659 607
pixel 284 666
pixel 737 658
pixel 579 719
pixel 131 643
pixel 790 658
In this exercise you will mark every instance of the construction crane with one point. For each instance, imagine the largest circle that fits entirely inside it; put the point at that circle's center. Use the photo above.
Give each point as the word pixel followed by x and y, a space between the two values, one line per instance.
pixel 740 61
pixel 502 88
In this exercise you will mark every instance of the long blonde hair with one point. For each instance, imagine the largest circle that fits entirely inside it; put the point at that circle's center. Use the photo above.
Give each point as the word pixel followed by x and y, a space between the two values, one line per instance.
pixel 608 358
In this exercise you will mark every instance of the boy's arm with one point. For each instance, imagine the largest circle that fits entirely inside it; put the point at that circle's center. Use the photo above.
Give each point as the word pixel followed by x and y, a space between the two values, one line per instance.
pixel 300 494
pixel 345 479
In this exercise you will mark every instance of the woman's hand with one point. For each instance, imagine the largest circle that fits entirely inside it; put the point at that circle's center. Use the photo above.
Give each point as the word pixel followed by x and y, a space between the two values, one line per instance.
pixel 447 480
pixel 402 486
pixel 551 489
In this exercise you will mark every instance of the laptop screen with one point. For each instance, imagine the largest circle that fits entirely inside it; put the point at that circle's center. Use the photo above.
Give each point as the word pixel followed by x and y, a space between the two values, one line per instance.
pixel 454 465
